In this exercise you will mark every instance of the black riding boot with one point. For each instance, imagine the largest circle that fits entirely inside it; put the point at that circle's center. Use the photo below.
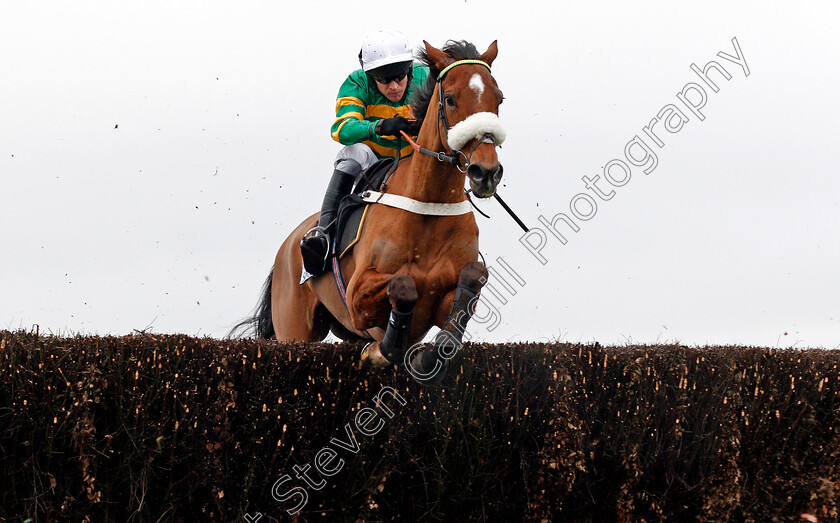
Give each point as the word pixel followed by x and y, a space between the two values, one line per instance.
pixel 315 244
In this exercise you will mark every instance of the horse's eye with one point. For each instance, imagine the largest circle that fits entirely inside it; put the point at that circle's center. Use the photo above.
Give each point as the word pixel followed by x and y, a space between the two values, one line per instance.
pixel 449 100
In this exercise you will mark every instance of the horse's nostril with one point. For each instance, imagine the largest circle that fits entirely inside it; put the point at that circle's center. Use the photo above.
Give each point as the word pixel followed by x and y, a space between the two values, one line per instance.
pixel 476 173
pixel 482 175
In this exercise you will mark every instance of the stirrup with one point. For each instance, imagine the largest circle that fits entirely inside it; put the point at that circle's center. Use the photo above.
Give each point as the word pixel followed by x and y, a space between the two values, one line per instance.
pixel 313 232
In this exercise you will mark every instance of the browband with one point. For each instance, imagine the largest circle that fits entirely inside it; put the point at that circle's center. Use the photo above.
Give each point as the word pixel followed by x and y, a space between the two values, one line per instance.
pixel 461 62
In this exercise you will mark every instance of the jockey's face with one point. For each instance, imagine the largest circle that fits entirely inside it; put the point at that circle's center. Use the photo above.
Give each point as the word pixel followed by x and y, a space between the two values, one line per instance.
pixel 393 91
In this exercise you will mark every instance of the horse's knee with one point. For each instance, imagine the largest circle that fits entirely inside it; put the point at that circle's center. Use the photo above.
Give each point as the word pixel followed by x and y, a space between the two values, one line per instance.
pixel 473 276
pixel 402 293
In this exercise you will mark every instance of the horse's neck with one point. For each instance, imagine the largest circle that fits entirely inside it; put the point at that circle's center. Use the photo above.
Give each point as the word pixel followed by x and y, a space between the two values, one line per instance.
pixel 427 179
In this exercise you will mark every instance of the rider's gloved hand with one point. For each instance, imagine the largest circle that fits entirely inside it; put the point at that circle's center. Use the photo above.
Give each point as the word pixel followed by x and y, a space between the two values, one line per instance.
pixel 413 127
pixel 393 126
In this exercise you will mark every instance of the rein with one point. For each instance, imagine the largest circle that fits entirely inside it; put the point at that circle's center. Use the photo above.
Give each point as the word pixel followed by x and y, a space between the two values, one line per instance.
pixel 441 156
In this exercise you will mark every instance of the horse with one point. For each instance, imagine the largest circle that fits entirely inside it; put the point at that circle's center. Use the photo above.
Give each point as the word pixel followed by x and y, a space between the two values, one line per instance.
pixel 415 265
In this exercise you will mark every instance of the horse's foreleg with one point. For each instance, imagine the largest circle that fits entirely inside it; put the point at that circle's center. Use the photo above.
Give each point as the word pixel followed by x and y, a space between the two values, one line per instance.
pixel 401 294
pixel 429 366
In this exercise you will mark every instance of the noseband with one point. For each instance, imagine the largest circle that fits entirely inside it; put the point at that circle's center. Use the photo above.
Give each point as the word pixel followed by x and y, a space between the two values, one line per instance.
pixel 487 119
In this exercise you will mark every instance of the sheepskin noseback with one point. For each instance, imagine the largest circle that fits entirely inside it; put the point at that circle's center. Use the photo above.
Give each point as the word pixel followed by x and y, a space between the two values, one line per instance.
pixel 474 127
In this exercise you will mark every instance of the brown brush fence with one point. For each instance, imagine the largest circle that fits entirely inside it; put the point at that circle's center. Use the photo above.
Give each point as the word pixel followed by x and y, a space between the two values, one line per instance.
pixel 176 428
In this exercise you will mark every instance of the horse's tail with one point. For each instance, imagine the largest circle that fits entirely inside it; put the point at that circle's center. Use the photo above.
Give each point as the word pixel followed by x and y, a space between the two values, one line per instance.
pixel 259 324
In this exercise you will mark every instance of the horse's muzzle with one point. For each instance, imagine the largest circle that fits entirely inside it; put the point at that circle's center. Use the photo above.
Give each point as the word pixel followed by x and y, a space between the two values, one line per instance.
pixel 483 181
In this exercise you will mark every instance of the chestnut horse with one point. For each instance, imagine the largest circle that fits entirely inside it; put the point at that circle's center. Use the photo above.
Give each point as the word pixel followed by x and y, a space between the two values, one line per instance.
pixel 410 269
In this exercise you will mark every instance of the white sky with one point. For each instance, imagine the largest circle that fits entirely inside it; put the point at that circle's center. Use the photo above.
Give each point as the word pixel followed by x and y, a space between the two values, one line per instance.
pixel 171 220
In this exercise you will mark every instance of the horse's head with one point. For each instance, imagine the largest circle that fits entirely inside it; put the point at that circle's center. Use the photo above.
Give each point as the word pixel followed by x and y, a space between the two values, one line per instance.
pixel 466 102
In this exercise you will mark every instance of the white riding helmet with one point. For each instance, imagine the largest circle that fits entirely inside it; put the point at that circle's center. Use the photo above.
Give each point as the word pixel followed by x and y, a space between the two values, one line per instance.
pixel 384 47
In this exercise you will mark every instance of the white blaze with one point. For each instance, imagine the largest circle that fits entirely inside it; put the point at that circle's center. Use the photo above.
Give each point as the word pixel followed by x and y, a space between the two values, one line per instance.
pixel 477 85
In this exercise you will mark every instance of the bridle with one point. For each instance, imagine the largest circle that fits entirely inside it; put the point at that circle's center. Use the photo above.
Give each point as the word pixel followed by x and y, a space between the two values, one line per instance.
pixel 454 156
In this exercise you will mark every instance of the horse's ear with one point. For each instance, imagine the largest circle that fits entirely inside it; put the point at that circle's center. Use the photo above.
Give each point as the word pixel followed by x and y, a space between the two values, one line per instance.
pixel 490 54
pixel 438 57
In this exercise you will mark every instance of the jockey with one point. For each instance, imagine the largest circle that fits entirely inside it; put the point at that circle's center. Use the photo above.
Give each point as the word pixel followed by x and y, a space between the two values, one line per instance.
pixel 371 109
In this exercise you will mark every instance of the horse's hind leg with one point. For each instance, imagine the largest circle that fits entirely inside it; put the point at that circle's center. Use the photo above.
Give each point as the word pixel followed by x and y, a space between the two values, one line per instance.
pixel 429 366
pixel 296 312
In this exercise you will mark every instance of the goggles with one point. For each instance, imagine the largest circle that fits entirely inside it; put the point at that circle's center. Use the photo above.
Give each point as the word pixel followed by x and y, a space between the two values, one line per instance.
pixel 386 79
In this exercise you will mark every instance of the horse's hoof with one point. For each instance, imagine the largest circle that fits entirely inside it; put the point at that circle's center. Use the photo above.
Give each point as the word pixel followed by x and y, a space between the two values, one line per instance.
pixel 372 358
pixel 428 370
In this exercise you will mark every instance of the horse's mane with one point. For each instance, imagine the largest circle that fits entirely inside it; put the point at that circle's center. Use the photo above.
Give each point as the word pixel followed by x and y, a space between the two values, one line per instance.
pixel 457 49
